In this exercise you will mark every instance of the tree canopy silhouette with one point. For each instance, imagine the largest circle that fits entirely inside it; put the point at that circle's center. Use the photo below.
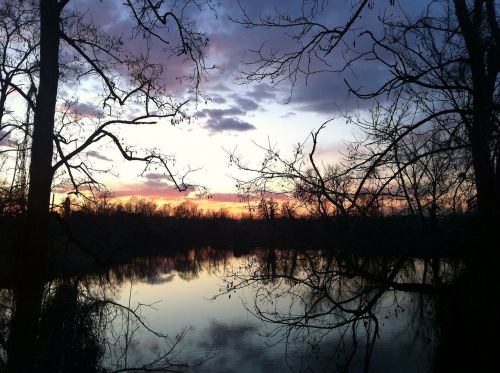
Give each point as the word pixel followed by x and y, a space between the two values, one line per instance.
pixel 80 80
pixel 429 141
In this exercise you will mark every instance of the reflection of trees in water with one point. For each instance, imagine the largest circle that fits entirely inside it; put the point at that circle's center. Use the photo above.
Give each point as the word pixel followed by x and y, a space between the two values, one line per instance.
pixel 5 315
pixel 187 264
pixel 82 329
pixel 309 296
pixel 71 335
pixel 324 306
pixel 78 327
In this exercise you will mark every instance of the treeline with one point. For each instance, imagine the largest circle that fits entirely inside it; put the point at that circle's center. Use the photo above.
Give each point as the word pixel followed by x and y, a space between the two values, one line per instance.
pixel 134 231
pixel 265 209
pixel 142 226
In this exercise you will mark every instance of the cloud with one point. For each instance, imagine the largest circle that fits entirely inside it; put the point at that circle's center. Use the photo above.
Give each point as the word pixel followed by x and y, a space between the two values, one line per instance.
pixel 246 103
pixel 327 93
pixel 152 176
pixel 288 115
pixel 230 46
pixel 95 154
pixel 149 189
pixel 85 110
pixel 229 124
pixel 225 120
pixel 263 92
pixel 225 197
pixel 116 20
pixel 220 113
pixel 220 87
pixel 324 92
pixel 217 99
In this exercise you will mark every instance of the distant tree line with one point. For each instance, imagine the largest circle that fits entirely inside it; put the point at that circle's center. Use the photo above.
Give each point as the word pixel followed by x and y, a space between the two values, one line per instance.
pixel 266 209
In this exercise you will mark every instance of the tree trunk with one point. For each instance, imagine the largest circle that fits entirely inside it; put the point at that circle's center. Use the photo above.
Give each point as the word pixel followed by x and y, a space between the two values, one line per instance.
pixel 32 259
pixel 483 63
pixel 43 131
pixel 487 193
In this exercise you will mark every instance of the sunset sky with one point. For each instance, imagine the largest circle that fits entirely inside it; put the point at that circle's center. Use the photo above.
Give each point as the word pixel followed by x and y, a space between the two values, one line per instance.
pixel 237 116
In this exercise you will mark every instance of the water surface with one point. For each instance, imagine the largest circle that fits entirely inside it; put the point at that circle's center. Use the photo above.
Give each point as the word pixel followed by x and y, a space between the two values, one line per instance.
pixel 275 310
pixel 260 310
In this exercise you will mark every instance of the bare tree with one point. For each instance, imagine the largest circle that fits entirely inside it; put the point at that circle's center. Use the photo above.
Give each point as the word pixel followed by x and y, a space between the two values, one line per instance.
pixel 57 47
pixel 434 76
pixel 314 41
pixel 18 67
pixel 267 209
pixel 48 49
pixel 288 210
pixel 442 77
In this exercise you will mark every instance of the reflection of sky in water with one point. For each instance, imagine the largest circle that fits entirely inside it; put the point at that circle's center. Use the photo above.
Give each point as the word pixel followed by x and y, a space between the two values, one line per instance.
pixel 239 342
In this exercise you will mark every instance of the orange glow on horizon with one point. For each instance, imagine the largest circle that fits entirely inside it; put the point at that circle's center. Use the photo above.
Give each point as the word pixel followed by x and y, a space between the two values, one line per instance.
pixel 230 202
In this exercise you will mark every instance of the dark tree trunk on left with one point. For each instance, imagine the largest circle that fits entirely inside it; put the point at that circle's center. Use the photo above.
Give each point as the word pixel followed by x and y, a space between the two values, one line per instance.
pixel 33 252
pixel 43 129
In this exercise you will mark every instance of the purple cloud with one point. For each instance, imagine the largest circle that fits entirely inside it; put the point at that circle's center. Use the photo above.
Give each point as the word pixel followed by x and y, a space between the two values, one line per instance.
pixel 263 92
pixel 86 109
pixel 217 99
pixel 229 124
pixel 246 103
pixel 95 154
pixel 155 178
pixel 219 113
pixel 225 120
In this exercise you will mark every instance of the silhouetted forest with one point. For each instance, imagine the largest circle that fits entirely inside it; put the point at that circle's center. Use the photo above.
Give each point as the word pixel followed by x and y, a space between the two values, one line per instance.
pixel 105 230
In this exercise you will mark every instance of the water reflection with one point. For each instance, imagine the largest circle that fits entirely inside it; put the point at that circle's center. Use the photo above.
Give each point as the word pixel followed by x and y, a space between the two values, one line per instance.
pixel 331 306
pixel 79 328
pixel 265 310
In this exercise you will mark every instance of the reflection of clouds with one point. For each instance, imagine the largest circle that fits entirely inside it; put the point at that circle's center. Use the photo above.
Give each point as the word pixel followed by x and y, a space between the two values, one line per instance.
pixel 223 335
pixel 238 348
pixel 243 347
pixel 389 356
pixel 243 344
pixel 160 279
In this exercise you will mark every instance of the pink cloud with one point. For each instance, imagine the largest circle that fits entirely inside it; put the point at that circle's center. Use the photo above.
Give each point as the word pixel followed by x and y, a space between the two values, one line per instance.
pixel 154 191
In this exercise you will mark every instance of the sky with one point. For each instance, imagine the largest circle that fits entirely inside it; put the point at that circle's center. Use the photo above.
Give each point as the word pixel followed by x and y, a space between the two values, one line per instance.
pixel 230 115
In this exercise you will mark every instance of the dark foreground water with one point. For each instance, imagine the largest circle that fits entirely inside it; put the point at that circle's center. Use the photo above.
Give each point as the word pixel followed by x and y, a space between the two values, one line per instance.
pixel 262 310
